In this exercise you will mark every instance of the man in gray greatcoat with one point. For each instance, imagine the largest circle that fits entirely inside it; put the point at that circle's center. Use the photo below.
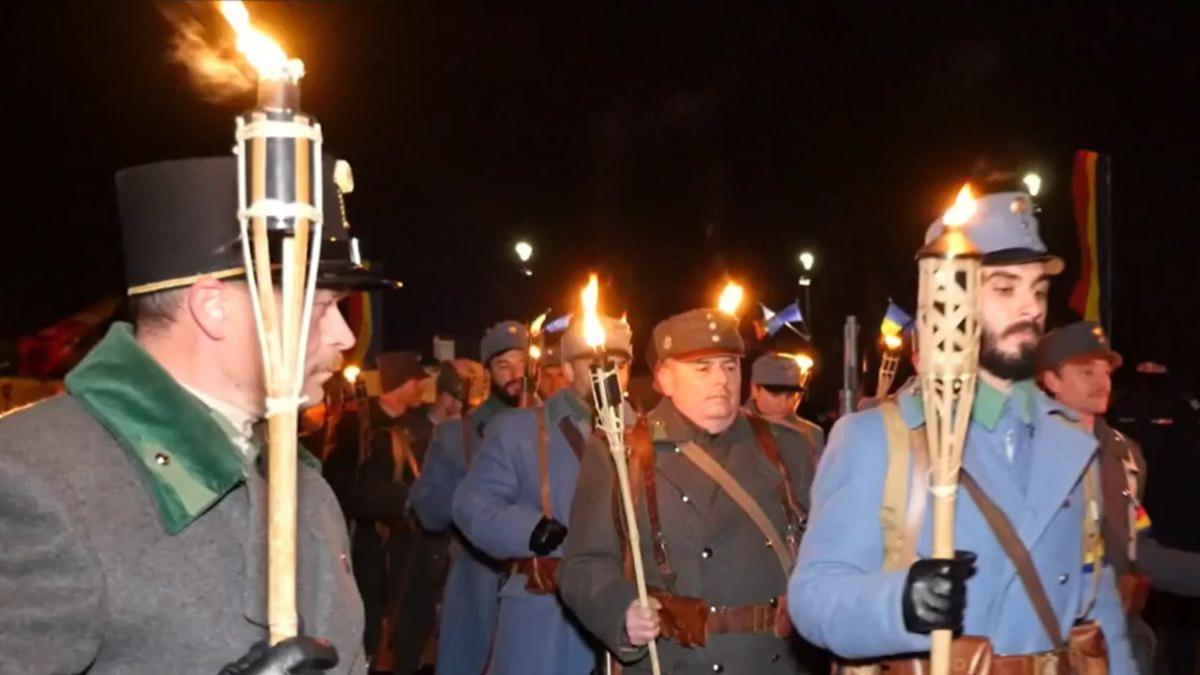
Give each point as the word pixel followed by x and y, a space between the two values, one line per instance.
pixel 133 508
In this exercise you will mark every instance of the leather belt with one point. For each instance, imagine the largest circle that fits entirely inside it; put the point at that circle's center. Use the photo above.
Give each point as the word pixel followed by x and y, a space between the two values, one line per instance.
pixel 539 574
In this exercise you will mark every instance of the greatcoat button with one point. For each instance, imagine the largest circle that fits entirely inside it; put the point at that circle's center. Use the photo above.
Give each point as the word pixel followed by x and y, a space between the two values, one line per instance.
pixel 775 658
pixel 1062 578
pixel 686 499
pixel 706 553
pixel 161 459
pixel 718 668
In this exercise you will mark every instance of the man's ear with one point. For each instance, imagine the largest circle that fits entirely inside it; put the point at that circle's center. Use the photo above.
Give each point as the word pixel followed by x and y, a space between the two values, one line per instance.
pixel 665 376
pixel 1051 382
pixel 207 304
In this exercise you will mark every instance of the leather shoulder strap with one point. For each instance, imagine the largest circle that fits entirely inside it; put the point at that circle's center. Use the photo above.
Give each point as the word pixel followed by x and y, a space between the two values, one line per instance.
pixel 574 438
pixel 539 414
pixel 738 494
pixel 1019 555
pixel 787 493
pixel 642 464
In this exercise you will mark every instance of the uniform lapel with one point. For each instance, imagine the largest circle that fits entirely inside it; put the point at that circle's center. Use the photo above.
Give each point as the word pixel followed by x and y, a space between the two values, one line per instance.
pixel 668 430
pixel 1061 453
pixel 990 470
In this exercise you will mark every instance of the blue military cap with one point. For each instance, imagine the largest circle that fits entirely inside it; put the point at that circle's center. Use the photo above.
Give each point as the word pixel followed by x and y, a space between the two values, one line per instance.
pixel 502 337
pixel 1005 229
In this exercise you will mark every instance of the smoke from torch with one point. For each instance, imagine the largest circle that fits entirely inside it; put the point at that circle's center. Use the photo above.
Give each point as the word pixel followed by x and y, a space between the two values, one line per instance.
pixel 224 65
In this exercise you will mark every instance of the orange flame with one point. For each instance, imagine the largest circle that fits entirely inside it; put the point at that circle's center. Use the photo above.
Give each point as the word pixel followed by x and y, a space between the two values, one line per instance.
pixel 893 342
pixel 593 330
pixel 731 298
pixel 535 352
pixel 262 51
pixel 536 327
pixel 961 211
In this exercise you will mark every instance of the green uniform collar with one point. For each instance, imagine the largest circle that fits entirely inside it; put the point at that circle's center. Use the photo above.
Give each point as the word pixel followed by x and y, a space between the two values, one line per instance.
pixel 186 458
pixel 987 407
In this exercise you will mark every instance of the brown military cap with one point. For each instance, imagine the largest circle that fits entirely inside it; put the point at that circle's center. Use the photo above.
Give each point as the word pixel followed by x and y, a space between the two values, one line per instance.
pixel 777 370
pixel 697 334
pixel 397 368
pixel 1077 340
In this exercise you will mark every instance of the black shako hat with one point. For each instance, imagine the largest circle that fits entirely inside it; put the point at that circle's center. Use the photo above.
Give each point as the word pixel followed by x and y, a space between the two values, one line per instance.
pixel 179 223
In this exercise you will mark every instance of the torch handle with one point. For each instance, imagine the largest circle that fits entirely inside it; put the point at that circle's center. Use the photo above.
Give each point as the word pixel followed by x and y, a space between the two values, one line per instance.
pixel 281 527
pixel 943 548
pixel 617 446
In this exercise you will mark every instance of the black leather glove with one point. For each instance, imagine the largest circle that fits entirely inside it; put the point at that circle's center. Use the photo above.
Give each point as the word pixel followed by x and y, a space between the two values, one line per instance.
pixel 294 656
pixel 935 593
pixel 546 536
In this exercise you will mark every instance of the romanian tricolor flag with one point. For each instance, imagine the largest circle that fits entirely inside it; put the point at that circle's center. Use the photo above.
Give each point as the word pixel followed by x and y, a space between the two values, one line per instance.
pixel 1141 519
pixel 1091 187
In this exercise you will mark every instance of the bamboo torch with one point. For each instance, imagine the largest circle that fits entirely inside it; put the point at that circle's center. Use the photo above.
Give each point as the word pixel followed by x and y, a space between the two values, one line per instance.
pixel 889 364
pixel 280 201
pixel 948 333
pixel 610 415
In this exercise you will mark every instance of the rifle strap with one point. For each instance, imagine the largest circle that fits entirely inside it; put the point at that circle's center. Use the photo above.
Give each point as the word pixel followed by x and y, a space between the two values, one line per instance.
pixel 543 462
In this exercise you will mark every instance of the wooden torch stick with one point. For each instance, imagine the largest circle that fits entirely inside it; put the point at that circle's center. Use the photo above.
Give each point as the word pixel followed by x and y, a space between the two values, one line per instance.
pixel 887 373
pixel 614 431
pixel 948 333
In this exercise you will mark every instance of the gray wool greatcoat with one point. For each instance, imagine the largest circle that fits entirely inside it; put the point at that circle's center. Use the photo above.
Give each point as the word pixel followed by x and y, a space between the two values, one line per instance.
pixel 714 549
pixel 136 545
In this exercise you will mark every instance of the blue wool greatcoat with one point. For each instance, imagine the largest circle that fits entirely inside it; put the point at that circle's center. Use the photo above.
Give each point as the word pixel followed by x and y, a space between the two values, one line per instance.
pixel 839 596
pixel 497 507
pixel 469 606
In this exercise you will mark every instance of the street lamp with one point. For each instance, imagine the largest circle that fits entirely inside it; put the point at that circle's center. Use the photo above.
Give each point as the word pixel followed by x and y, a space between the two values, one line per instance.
pixel 524 251
pixel 807 260
pixel 1033 182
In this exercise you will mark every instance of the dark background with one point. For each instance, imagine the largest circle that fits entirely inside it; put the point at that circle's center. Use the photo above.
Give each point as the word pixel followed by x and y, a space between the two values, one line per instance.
pixel 663 144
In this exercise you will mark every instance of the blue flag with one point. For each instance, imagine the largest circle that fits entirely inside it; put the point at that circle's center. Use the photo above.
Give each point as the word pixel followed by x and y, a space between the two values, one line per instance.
pixel 895 320
pixel 774 321
pixel 558 325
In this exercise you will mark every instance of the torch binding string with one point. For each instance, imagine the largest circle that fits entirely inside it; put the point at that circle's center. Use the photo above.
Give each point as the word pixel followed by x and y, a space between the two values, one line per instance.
pixel 279 405
pixel 278 129
pixel 943 490
pixel 275 208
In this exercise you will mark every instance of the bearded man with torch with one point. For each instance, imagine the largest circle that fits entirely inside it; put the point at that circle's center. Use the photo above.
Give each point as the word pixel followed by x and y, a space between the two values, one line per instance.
pixel 876 576
pixel 717 501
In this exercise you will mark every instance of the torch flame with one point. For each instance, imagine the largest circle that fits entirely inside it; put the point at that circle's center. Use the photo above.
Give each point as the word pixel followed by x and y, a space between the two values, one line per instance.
pixel 963 208
pixel 804 361
pixel 893 342
pixel 535 352
pixel 731 298
pixel 535 328
pixel 351 373
pixel 263 52
pixel 593 330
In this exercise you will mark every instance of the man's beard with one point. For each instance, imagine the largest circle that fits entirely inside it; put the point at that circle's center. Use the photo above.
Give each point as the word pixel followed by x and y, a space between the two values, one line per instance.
pixel 1011 367
pixel 501 394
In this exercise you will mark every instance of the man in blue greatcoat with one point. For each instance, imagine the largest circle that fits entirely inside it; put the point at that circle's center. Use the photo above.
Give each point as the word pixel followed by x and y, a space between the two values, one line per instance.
pixel 514 504
pixel 469 605
pixel 863 595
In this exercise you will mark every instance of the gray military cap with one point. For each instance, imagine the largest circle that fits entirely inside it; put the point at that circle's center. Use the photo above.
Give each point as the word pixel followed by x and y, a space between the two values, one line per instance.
pixel 618 339
pixel 776 370
pixel 696 334
pixel 1073 341
pixel 1005 230
pixel 502 337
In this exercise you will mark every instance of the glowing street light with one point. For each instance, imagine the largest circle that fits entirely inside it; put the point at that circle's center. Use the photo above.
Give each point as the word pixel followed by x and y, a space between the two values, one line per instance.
pixel 524 251
pixel 1033 182
pixel 807 260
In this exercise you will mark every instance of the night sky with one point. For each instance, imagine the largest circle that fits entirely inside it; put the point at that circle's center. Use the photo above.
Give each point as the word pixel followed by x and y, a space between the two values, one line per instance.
pixel 662 144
